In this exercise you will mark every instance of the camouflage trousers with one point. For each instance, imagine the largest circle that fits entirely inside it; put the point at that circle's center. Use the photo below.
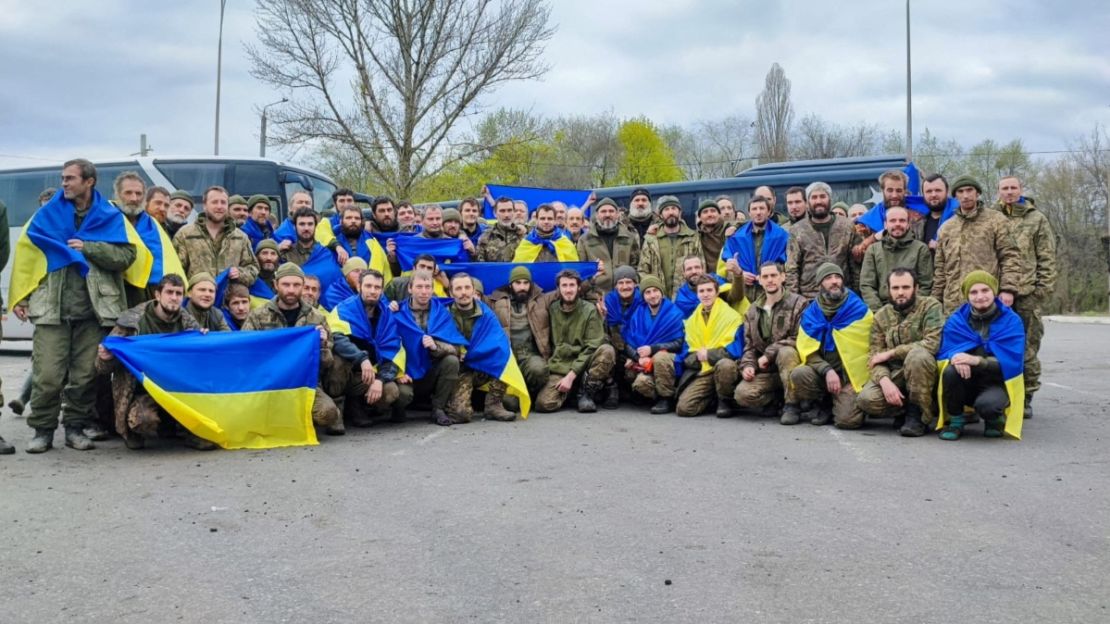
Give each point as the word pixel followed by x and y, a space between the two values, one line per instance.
pixel 699 392
pixel 344 384
pixel 534 369
pixel 144 416
pixel 916 378
pixel 809 386
pixel 766 386
pixel 1030 312
pixel 460 407
pixel 600 368
pixel 659 383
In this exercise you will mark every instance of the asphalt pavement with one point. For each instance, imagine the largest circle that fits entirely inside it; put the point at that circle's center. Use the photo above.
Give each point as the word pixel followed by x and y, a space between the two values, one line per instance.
pixel 611 517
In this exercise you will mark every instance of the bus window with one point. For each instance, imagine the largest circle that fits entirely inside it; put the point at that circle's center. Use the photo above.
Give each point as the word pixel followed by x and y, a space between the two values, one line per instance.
pixel 194 177
pixel 19 190
pixel 321 194
pixel 106 176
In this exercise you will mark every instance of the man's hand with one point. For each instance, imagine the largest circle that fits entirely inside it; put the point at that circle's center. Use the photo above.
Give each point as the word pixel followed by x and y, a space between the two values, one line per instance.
pixel 566 382
pixel 1006 298
pixel 429 343
pixel 391 249
pixel 963 363
pixel 750 278
pixel 601 307
pixel 394 306
pixel 703 355
pixel 467 244
pixel 933 244
pixel 233 273
pixel 601 267
pixel 652 229
pixel 341 254
pixel 832 382
pixel 763 362
pixel 748 373
pixel 76 244
pixel 891 392
pixel 367 370
pixel 732 267
pixel 629 363
pixel 880 358
pixel 20 311
pixel 103 353
pixel 644 352
pixel 645 362
pixel 729 231
pixel 374 392
pixel 285 245
pixel 323 333
pixel 404 379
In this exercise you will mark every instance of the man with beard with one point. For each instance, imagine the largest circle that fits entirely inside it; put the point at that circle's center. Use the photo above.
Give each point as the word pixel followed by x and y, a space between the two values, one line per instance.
pixel 346 287
pixel 897 249
pixel 520 213
pixel 433 222
pixel 713 340
pixel 757 242
pixel 237 209
pixel 686 298
pixel 662 253
pixel 129 190
pixel 352 237
pixel 821 238
pixel 432 343
pixel 610 243
pixel 237 306
pixel 1037 243
pixel 580 359
pixel 366 348
pixel 640 216
pixel 711 231
pixel 468 311
pixel 729 217
pixel 384 219
pixel 905 337
pixel 137 415
pixel 499 243
pixel 941 208
pixel 157 202
pixel 576 224
pixel 268 260
pixel 257 226
pixel 651 337
pixel 546 242
pixel 770 347
pixel 894 183
pixel 976 239
pixel 307 252
pixel 453 228
pixel 287 309
pixel 795 206
pixel 311 293
pixel 521 308
pixel 177 215
pixel 202 298
pixel 832 343
pixel 617 307
pixel 212 243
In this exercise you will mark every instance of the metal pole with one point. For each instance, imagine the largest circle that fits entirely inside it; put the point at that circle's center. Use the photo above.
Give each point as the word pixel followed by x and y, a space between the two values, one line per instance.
pixel 909 92
pixel 219 67
pixel 262 137
pixel 143 149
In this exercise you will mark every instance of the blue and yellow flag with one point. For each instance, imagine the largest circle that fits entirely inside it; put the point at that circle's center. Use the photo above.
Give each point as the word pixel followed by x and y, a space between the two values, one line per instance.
pixel 494 275
pixel 349 318
pixel 42 248
pixel 489 352
pixel 559 244
pixel 1006 343
pixel 260 291
pixel 848 333
pixel 287 231
pixel 441 326
pixel 644 330
pixel 534 197
pixel 687 299
pixel 163 255
pixel 615 315
pixel 723 330
pixel 256 233
pixel 369 249
pixel 336 294
pixel 322 263
pixel 224 399
pixel 444 250
pixel 741 247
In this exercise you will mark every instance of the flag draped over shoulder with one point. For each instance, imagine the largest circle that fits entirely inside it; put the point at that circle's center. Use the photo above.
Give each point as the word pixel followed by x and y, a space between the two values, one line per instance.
pixel 369 249
pixel 444 250
pixel 741 246
pixel 349 318
pixel 260 292
pixel 42 248
pixel 255 232
pixel 848 333
pixel 642 329
pixel 287 231
pixel 534 197
pixel 559 244
pixel 164 259
pixel 489 352
pixel 336 294
pixel 1006 343
pixel 687 299
pixel 723 330
pixel 224 399
pixel 321 263
pixel 875 219
pixel 614 314
pixel 441 326
pixel 494 275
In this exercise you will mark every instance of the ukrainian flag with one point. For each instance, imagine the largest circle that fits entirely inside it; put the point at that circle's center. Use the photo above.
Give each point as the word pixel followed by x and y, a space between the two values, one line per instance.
pixel 441 326
pixel 349 318
pixel 224 399
pixel 489 352
pixel 368 248
pixel 287 231
pixel 848 333
pixel 494 275
pixel 559 244
pixel 723 330
pixel 444 250
pixel 260 291
pixel 1006 342
pixel 42 248
pixel 164 256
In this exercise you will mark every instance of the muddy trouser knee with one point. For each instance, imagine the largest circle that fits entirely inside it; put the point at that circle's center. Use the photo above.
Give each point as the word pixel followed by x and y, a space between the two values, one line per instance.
pixel 872 401
pixel 534 369
pixel 549 399
pixel 659 383
pixel 758 392
pixel 724 378
pixel 324 411
pixel 1029 311
pixel 786 360
pixel 63 369
pixel 807 384
pixel 696 396
pixel 600 368
pixel 846 414
pixel 919 370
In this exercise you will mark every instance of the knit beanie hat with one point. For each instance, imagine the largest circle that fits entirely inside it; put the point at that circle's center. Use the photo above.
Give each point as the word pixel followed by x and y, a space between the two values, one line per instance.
pixel 650 281
pixel 451 214
pixel 828 269
pixel 203 276
pixel 353 264
pixel 668 200
pixel 288 269
pixel 978 277
pixel 265 243
pixel 520 273
pixel 966 180
pixel 625 272
pixel 182 195
pixel 257 199
pixel 236 199
pixel 709 203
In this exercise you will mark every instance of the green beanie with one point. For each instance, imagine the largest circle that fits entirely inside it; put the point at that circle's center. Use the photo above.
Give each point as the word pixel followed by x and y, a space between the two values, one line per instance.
pixel 668 200
pixel 966 180
pixel 236 199
pixel 182 195
pixel 605 201
pixel 258 199
pixel 354 263
pixel 828 269
pixel 450 214
pixel 520 273
pixel 266 243
pixel 978 277
pixel 288 269
pixel 709 203
pixel 650 281
pixel 841 205
pixel 203 276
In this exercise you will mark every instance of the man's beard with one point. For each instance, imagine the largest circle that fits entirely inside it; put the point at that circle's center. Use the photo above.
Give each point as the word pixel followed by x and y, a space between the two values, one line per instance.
pixel 352 232
pixel 607 226
pixel 269 267
pixel 174 219
pixel 819 211
pixel 169 313
pixel 902 307
pixel 520 297
pixel 290 300
pixel 670 221
pixel 639 214
pixel 131 210
pixel 834 297
pixel 306 241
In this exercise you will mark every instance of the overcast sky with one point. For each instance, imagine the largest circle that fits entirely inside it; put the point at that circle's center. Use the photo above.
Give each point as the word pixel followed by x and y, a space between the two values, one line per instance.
pixel 85 79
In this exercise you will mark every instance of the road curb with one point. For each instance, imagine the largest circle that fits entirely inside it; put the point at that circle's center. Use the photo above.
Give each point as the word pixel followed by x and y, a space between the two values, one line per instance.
pixel 1080 320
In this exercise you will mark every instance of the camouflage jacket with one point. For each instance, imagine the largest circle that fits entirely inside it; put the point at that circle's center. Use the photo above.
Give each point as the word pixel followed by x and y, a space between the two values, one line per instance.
pixel 211 319
pixel 661 256
pixel 808 250
pixel 498 243
pixel 1037 244
pixel 270 316
pixel 920 326
pixel 892 253
pixel 626 251
pixel 200 253
pixel 781 323
pixel 981 240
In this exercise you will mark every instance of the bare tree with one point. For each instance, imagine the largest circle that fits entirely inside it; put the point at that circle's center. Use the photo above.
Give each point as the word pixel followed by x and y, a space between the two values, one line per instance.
pixel 816 138
pixel 774 115
pixel 389 81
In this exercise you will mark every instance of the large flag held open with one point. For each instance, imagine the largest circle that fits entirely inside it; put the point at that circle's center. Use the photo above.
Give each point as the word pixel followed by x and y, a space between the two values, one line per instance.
pixel 226 399
pixel 534 197
pixel 494 275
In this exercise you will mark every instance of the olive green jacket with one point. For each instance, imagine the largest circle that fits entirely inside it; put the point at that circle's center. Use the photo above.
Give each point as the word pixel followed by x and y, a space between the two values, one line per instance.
pixel 104 282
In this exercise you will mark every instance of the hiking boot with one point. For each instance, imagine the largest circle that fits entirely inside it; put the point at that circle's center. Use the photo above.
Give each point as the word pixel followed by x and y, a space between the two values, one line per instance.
pixel 441 418
pixel 1028 409
pixel 992 428
pixel 494 410
pixel 953 428
pixel 912 427
pixel 196 442
pixel 134 441
pixel 662 406
pixel 17 407
pixel 791 414
pixel 336 429
pixel 823 417
pixel 5 448
pixel 586 403
pixel 774 410
pixel 808 411
pixel 362 420
pixel 723 410
pixel 77 440
pixel 42 442
pixel 95 432
pixel 612 396
pixel 397 414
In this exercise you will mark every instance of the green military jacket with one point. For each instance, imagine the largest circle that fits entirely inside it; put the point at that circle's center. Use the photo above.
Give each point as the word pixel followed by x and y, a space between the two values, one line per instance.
pixel 103 283
pixel 626 251
pixel 575 336
pixel 211 319
pixel 808 250
pixel 498 243
pixel 1037 243
pixel 919 326
pixel 270 316
pixel 892 253
pixel 662 255
pixel 979 240
pixel 767 332
pixel 199 252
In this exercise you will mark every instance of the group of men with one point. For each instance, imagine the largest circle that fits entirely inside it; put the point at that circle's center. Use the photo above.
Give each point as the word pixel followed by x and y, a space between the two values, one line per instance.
pixel 801 316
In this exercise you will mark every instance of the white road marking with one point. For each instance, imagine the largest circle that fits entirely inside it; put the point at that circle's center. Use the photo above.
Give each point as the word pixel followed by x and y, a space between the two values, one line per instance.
pixel 860 454
pixel 431 436
pixel 1070 389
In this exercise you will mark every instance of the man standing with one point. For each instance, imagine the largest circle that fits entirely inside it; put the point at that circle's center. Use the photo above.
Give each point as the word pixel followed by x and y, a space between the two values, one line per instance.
pixel 640 215
pixel 820 239
pixel 352 236
pixel 757 242
pixel 433 222
pixel 309 254
pixel 832 342
pixel 941 208
pixel 384 218
pixel 662 253
pixel 576 224
pixel 795 206
pixel 268 258
pixel 202 299
pixel 898 249
pixel 431 341
pixel 546 242
pixel 72 308
pixel 129 190
pixel 1037 243
pixel 729 216
pixel 468 312
pixel 770 346
pixel 257 226
pixel 288 310
pixel 452 228
pixel 177 215
pixel 714 340
pixel 651 337
pixel 905 337
pixel 212 243
pixel 609 243
pixel 237 209
pixel 711 232
pixel 976 239
pixel 157 203
pixel 237 305
pixel 499 243
pixel 472 226
pixel 580 359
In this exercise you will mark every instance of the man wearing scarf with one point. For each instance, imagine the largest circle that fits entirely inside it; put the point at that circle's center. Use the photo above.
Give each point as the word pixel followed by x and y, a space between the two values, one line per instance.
pixel 608 242
pixel 257 226
pixel 905 337
pixel 521 307
pixel 266 251
pixel 757 242
pixel 352 236
pixel 346 287
pixel 651 337
pixel 713 342
pixel 833 367
pixel 547 242
pixel 431 342
pixel 686 297
pixel 662 253
pixel 897 249
pixel 711 231
pixel 618 305
pixel 128 189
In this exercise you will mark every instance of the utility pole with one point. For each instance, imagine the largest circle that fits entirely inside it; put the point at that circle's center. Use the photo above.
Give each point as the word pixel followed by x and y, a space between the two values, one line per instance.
pixel 262 134
pixel 144 149
pixel 909 92
pixel 219 68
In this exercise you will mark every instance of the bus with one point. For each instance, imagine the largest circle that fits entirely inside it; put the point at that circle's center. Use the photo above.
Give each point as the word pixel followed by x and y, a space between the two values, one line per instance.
pixel 20 189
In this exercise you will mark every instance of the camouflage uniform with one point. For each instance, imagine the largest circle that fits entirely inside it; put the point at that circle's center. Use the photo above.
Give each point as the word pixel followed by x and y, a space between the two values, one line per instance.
pixel 893 253
pixel 1037 243
pixel 269 316
pixel 578 340
pixel 662 255
pixel 773 334
pixel 915 337
pixel 982 240
pixel 459 405
pixel 808 249
pixel 136 413
pixel 696 390
pixel 625 250
pixel 200 253
pixel 809 382
pixel 443 373
pixel 498 243
pixel 344 379
pixel 211 319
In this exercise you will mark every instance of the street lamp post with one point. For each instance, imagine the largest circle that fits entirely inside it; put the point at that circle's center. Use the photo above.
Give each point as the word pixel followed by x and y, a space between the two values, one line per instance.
pixel 909 99
pixel 219 68
pixel 262 134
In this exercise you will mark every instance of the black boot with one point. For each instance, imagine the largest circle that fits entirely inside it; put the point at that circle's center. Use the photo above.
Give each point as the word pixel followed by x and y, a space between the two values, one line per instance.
pixel 77 440
pixel 1028 407
pixel 723 409
pixel 612 396
pixel 824 415
pixel 42 442
pixel 5 448
pixel 912 427
pixel 791 414
pixel 441 418
pixel 586 403
pixel 662 406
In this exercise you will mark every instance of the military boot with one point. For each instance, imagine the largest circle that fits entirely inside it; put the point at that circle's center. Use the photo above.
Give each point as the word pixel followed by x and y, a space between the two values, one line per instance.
pixel 612 396
pixel 42 442
pixel 17 406
pixel 992 428
pixel 808 411
pixel 824 415
pixel 494 409
pixel 5 448
pixel 791 414
pixel 77 440
pixel 662 406
pixel 360 414
pixel 95 432
pixel 1028 408
pixel 912 427
pixel 397 414
pixel 441 418
pixel 134 441
pixel 953 428
pixel 723 409
pixel 198 443
pixel 586 403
